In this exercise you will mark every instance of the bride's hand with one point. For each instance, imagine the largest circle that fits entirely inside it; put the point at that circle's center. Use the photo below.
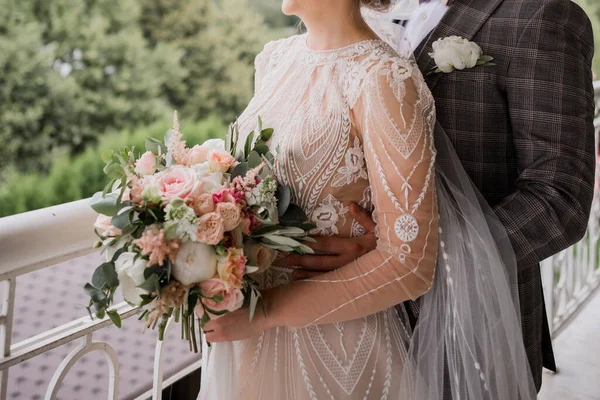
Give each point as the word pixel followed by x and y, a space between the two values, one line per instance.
pixel 345 250
pixel 237 326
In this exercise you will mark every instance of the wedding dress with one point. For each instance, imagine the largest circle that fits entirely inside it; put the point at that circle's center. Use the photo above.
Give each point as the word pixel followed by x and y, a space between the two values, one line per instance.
pixel 357 124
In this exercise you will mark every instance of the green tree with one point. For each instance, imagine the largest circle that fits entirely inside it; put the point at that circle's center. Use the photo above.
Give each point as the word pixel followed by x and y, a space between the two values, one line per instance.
pixel 73 69
pixel 271 10
pixel 219 40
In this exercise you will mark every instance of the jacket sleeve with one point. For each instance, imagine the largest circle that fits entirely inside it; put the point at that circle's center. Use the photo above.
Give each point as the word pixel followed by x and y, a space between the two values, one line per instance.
pixel 551 104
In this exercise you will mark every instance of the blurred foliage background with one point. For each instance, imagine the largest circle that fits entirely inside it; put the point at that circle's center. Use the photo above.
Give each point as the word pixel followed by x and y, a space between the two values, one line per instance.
pixel 81 76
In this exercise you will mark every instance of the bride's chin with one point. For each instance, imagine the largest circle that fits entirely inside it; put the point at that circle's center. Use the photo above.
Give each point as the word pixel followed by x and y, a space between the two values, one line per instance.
pixel 290 7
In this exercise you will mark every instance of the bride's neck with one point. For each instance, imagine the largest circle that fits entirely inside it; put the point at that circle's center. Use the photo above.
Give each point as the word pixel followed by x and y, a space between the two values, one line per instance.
pixel 336 29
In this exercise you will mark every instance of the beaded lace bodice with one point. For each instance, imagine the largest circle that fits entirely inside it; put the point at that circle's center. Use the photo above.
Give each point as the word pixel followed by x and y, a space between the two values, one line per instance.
pixel 351 124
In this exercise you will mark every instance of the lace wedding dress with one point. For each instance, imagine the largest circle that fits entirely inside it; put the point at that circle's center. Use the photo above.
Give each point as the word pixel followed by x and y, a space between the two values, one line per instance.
pixel 351 124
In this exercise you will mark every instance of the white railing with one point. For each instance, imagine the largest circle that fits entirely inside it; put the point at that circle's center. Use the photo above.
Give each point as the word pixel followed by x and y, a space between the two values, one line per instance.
pixel 572 276
pixel 28 242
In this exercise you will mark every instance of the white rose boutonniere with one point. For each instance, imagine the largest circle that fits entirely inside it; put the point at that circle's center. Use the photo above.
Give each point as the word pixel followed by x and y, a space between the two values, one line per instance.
pixel 454 52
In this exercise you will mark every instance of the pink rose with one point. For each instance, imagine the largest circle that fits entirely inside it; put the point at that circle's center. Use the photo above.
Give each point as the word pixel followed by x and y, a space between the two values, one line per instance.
pixel 104 226
pixel 232 268
pixel 197 154
pixel 224 196
pixel 210 229
pixel 219 161
pixel 178 181
pixel 204 205
pixel 231 215
pixel 233 299
pixel 146 165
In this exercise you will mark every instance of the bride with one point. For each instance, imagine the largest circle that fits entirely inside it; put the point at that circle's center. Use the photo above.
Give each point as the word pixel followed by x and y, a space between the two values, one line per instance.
pixel 354 122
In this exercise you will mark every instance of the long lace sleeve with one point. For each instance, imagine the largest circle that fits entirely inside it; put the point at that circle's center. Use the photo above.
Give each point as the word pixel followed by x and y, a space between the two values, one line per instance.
pixel 394 115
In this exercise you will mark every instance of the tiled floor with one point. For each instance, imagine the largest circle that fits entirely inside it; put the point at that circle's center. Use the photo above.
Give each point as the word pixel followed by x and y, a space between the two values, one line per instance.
pixel 578 357
pixel 54 296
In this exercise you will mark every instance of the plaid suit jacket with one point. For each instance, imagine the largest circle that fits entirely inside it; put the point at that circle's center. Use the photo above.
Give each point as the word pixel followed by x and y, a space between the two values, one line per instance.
pixel 524 132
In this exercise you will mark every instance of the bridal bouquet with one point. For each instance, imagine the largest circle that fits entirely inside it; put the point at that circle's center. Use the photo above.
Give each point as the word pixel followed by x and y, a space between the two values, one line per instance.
pixel 184 229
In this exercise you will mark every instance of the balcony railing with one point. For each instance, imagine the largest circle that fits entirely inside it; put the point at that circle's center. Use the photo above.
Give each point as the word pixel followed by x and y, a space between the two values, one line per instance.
pixel 29 242
pixel 573 275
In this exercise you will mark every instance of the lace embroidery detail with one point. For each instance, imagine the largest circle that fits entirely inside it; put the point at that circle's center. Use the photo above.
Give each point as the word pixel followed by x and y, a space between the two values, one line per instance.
pixel 357 229
pixel 355 167
pixel 327 215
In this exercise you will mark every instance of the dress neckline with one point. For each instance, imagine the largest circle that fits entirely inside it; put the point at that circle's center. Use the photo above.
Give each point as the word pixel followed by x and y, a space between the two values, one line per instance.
pixel 312 56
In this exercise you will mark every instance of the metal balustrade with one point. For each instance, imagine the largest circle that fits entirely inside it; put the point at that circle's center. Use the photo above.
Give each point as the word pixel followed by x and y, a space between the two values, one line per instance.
pixel 571 276
pixel 29 242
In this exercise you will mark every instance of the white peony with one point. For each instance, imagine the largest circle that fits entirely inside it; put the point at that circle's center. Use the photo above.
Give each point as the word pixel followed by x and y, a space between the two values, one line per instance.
pixel 131 275
pixel 195 262
pixel 455 52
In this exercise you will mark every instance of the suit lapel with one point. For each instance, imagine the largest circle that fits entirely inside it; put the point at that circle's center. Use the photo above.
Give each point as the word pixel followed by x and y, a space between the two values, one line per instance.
pixel 464 18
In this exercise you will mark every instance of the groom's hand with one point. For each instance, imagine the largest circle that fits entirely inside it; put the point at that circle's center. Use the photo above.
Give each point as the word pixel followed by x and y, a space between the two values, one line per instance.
pixel 342 250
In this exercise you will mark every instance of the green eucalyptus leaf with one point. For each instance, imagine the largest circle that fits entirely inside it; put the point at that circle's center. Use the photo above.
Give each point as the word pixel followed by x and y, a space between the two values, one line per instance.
pixel 115 318
pixel 266 134
pixel 115 171
pixel 261 148
pixel 108 187
pixel 151 283
pixel 110 274
pixel 97 295
pixel 253 304
pixel 254 160
pixel 107 155
pixel 240 170
pixel 486 58
pixel 248 145
pixel 98 280
pixel 121 220
pixel 284 199
pixel 106 205
pixel 283 240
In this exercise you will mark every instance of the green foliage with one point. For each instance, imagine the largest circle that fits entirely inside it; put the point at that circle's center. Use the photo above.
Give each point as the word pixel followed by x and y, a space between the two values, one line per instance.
pixel 271 10
pixel 219 41
pixel 73 69
pixel 76 177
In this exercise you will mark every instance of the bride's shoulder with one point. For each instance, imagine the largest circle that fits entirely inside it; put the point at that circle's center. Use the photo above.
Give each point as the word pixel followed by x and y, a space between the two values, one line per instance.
pixel 277 46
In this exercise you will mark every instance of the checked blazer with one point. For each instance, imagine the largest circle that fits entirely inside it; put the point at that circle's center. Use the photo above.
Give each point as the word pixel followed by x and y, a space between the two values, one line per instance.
pixel 524 132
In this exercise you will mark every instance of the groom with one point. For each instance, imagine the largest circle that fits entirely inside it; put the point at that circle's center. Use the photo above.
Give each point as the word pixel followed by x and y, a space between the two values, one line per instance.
pixel 523 130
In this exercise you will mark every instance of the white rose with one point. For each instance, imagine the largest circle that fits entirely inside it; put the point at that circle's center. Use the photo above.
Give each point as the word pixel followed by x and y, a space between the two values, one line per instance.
pixel 214 183
pixel 215 144
pixel 455 52
pixel 196 262
pixel 131 275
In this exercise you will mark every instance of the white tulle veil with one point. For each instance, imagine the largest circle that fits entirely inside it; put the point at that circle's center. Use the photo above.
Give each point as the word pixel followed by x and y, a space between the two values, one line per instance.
pixel 467 340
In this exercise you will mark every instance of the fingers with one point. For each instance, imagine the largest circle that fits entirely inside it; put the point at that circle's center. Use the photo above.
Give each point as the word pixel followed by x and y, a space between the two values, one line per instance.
pixel 315 262
pixel 326 244
pixel 363 217
pixel 300 274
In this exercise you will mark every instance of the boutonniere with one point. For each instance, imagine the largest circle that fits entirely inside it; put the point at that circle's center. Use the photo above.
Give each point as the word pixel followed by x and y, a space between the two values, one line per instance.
pixel 454 52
